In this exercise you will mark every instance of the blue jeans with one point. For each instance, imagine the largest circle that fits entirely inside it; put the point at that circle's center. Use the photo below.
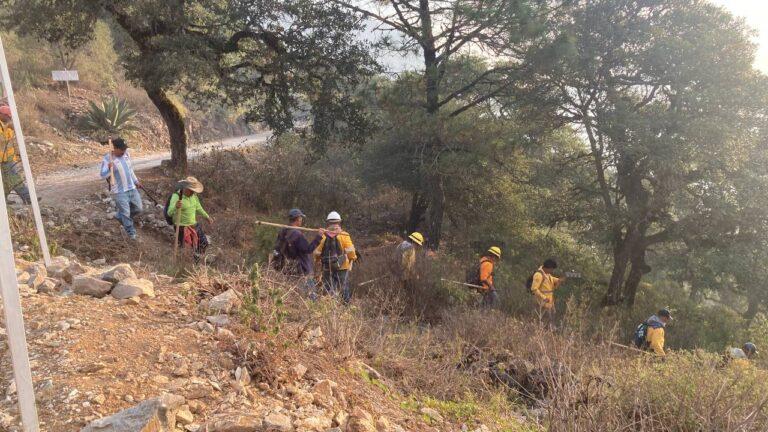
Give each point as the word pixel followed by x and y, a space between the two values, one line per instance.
pixel 333 282
pixel 128 206
pixel 14 181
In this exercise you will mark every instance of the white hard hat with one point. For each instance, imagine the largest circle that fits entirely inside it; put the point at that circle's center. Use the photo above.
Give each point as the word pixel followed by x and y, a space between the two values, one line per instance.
pixel 333 217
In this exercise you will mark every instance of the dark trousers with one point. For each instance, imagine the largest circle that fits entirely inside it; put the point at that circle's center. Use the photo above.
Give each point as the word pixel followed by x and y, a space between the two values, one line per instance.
pixel 335 282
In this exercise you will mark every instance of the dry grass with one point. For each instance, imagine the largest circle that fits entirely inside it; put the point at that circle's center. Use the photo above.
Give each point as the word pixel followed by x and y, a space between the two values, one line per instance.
pixel 584 385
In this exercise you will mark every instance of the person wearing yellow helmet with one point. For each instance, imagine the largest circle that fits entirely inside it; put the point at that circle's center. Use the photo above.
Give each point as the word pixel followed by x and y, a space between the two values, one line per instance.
pixel 404 259
pixel 487 265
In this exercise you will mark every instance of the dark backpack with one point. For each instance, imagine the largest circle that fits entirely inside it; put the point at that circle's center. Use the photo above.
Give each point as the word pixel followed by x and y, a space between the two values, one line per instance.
pixel 473 275
pixel 639 337
pixel 332 257
pixel 169 218
pixel 529 282
pixel 285 250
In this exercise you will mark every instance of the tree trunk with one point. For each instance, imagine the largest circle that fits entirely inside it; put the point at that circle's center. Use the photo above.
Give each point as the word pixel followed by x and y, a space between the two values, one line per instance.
pixel 419 207
pixel 639 269
pixel 620 264
pixel 436 211
pixel 177 131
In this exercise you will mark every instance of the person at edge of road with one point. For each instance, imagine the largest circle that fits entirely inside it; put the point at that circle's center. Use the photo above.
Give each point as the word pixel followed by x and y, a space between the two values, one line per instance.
pixel 13 179
pixel 654 336
pixel 740 357
pixel 404 259
pixel 335 253
pixel 117 165
pixel 293 253
pixel 187 204
pixel 487 265
pixel 543 287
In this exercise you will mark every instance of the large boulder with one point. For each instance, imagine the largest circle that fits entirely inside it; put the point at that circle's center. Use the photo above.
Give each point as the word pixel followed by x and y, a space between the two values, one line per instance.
pixel 132 287
pixel 118 273
pixel 153 415
pixel 87 285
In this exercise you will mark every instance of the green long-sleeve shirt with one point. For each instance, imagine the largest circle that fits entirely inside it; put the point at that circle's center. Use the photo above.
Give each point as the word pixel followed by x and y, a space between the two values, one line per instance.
pixel 190 208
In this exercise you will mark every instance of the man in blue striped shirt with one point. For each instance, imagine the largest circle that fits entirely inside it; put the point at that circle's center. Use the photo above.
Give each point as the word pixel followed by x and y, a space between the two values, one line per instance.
pixel 117 169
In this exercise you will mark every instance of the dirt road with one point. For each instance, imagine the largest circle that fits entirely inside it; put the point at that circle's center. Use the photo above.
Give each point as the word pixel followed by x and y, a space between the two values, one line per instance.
pixel 56 189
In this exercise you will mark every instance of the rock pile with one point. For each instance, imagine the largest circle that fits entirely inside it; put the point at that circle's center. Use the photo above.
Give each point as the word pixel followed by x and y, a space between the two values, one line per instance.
pixel 65 276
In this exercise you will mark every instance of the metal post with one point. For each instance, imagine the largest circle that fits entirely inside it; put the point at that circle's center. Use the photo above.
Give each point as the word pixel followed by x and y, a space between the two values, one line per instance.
pixel 14 322
pixel 6 77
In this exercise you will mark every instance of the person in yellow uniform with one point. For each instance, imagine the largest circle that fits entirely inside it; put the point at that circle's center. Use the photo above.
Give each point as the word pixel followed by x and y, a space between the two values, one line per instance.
pixel 543 286
pixel 13 179
pixel 335 254
pixel 654 336
pixel 404 259
pixel 487 266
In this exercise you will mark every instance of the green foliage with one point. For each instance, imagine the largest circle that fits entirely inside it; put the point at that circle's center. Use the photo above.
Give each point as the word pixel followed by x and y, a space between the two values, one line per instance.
pixel 111 117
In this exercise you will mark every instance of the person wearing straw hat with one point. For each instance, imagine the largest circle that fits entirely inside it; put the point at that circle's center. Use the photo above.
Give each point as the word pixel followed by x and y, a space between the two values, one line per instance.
pixel 13 180
pixel 487 265
pixel 183 208
pixel 404 260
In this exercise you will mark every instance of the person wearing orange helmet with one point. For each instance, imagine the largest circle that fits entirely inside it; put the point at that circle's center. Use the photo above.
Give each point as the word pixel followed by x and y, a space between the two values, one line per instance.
pixel 13 178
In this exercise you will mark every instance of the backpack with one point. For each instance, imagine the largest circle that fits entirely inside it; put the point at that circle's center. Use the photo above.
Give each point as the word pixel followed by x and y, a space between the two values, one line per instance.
pixel 332 257
pixel 473 275
pixel 529 282
pixel 639 337
pixel 169 218
pixel 285 250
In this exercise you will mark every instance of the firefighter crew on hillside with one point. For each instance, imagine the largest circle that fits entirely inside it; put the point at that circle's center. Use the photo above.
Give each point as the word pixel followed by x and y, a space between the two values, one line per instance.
pixel 487 264
pixel 335 254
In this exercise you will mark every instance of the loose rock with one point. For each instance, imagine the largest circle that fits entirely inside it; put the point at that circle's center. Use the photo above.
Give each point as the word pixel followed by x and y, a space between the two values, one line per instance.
pixel 132 287
pixel 157 415
pixel 86 285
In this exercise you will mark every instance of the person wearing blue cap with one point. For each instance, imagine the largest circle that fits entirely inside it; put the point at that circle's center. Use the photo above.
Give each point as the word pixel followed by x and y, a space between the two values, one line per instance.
pixel 293 253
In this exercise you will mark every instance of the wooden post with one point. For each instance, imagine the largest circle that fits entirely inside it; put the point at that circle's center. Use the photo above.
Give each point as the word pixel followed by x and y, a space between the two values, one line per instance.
pixel 8 88
pixel 14 321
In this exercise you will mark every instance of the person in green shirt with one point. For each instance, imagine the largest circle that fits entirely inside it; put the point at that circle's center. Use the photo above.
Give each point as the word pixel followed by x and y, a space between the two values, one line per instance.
pixel 184 208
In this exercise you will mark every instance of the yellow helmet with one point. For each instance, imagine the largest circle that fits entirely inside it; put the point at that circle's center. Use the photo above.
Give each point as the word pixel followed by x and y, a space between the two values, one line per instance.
pixel 417 238
pixel 495 250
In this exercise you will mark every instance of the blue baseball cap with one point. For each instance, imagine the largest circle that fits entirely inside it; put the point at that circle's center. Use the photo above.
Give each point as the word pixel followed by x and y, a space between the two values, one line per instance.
pixel 295 213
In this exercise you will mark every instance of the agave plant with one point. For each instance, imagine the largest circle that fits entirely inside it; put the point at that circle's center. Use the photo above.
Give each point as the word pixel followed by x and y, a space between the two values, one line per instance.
pixel 111 117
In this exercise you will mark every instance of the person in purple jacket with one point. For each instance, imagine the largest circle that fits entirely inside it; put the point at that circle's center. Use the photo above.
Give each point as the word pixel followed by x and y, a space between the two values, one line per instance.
pixel 293 253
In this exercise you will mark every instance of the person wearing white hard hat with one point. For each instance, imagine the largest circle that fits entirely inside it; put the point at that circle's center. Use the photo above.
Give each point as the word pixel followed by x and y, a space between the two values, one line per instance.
pixel 335 255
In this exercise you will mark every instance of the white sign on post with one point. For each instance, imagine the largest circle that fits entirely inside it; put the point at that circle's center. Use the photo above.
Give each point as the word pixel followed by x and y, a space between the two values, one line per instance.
pixel 9 288
pixel 65 75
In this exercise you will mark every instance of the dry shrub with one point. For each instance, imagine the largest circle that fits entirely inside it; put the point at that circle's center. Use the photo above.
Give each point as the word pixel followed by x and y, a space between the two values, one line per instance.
pixel 582 385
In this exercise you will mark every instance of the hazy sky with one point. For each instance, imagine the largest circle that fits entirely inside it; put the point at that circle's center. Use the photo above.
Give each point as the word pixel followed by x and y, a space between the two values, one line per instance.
pixel 756 14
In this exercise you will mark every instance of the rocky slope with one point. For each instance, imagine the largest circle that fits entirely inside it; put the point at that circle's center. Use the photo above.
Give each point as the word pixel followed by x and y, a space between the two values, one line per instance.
pixel 119 348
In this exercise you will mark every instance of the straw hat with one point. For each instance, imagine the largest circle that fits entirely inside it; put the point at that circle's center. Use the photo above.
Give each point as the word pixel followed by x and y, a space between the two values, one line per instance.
pixel 192 184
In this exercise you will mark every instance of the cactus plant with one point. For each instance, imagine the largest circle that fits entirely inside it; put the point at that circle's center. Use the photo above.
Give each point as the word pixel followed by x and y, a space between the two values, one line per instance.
pixel 111 117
